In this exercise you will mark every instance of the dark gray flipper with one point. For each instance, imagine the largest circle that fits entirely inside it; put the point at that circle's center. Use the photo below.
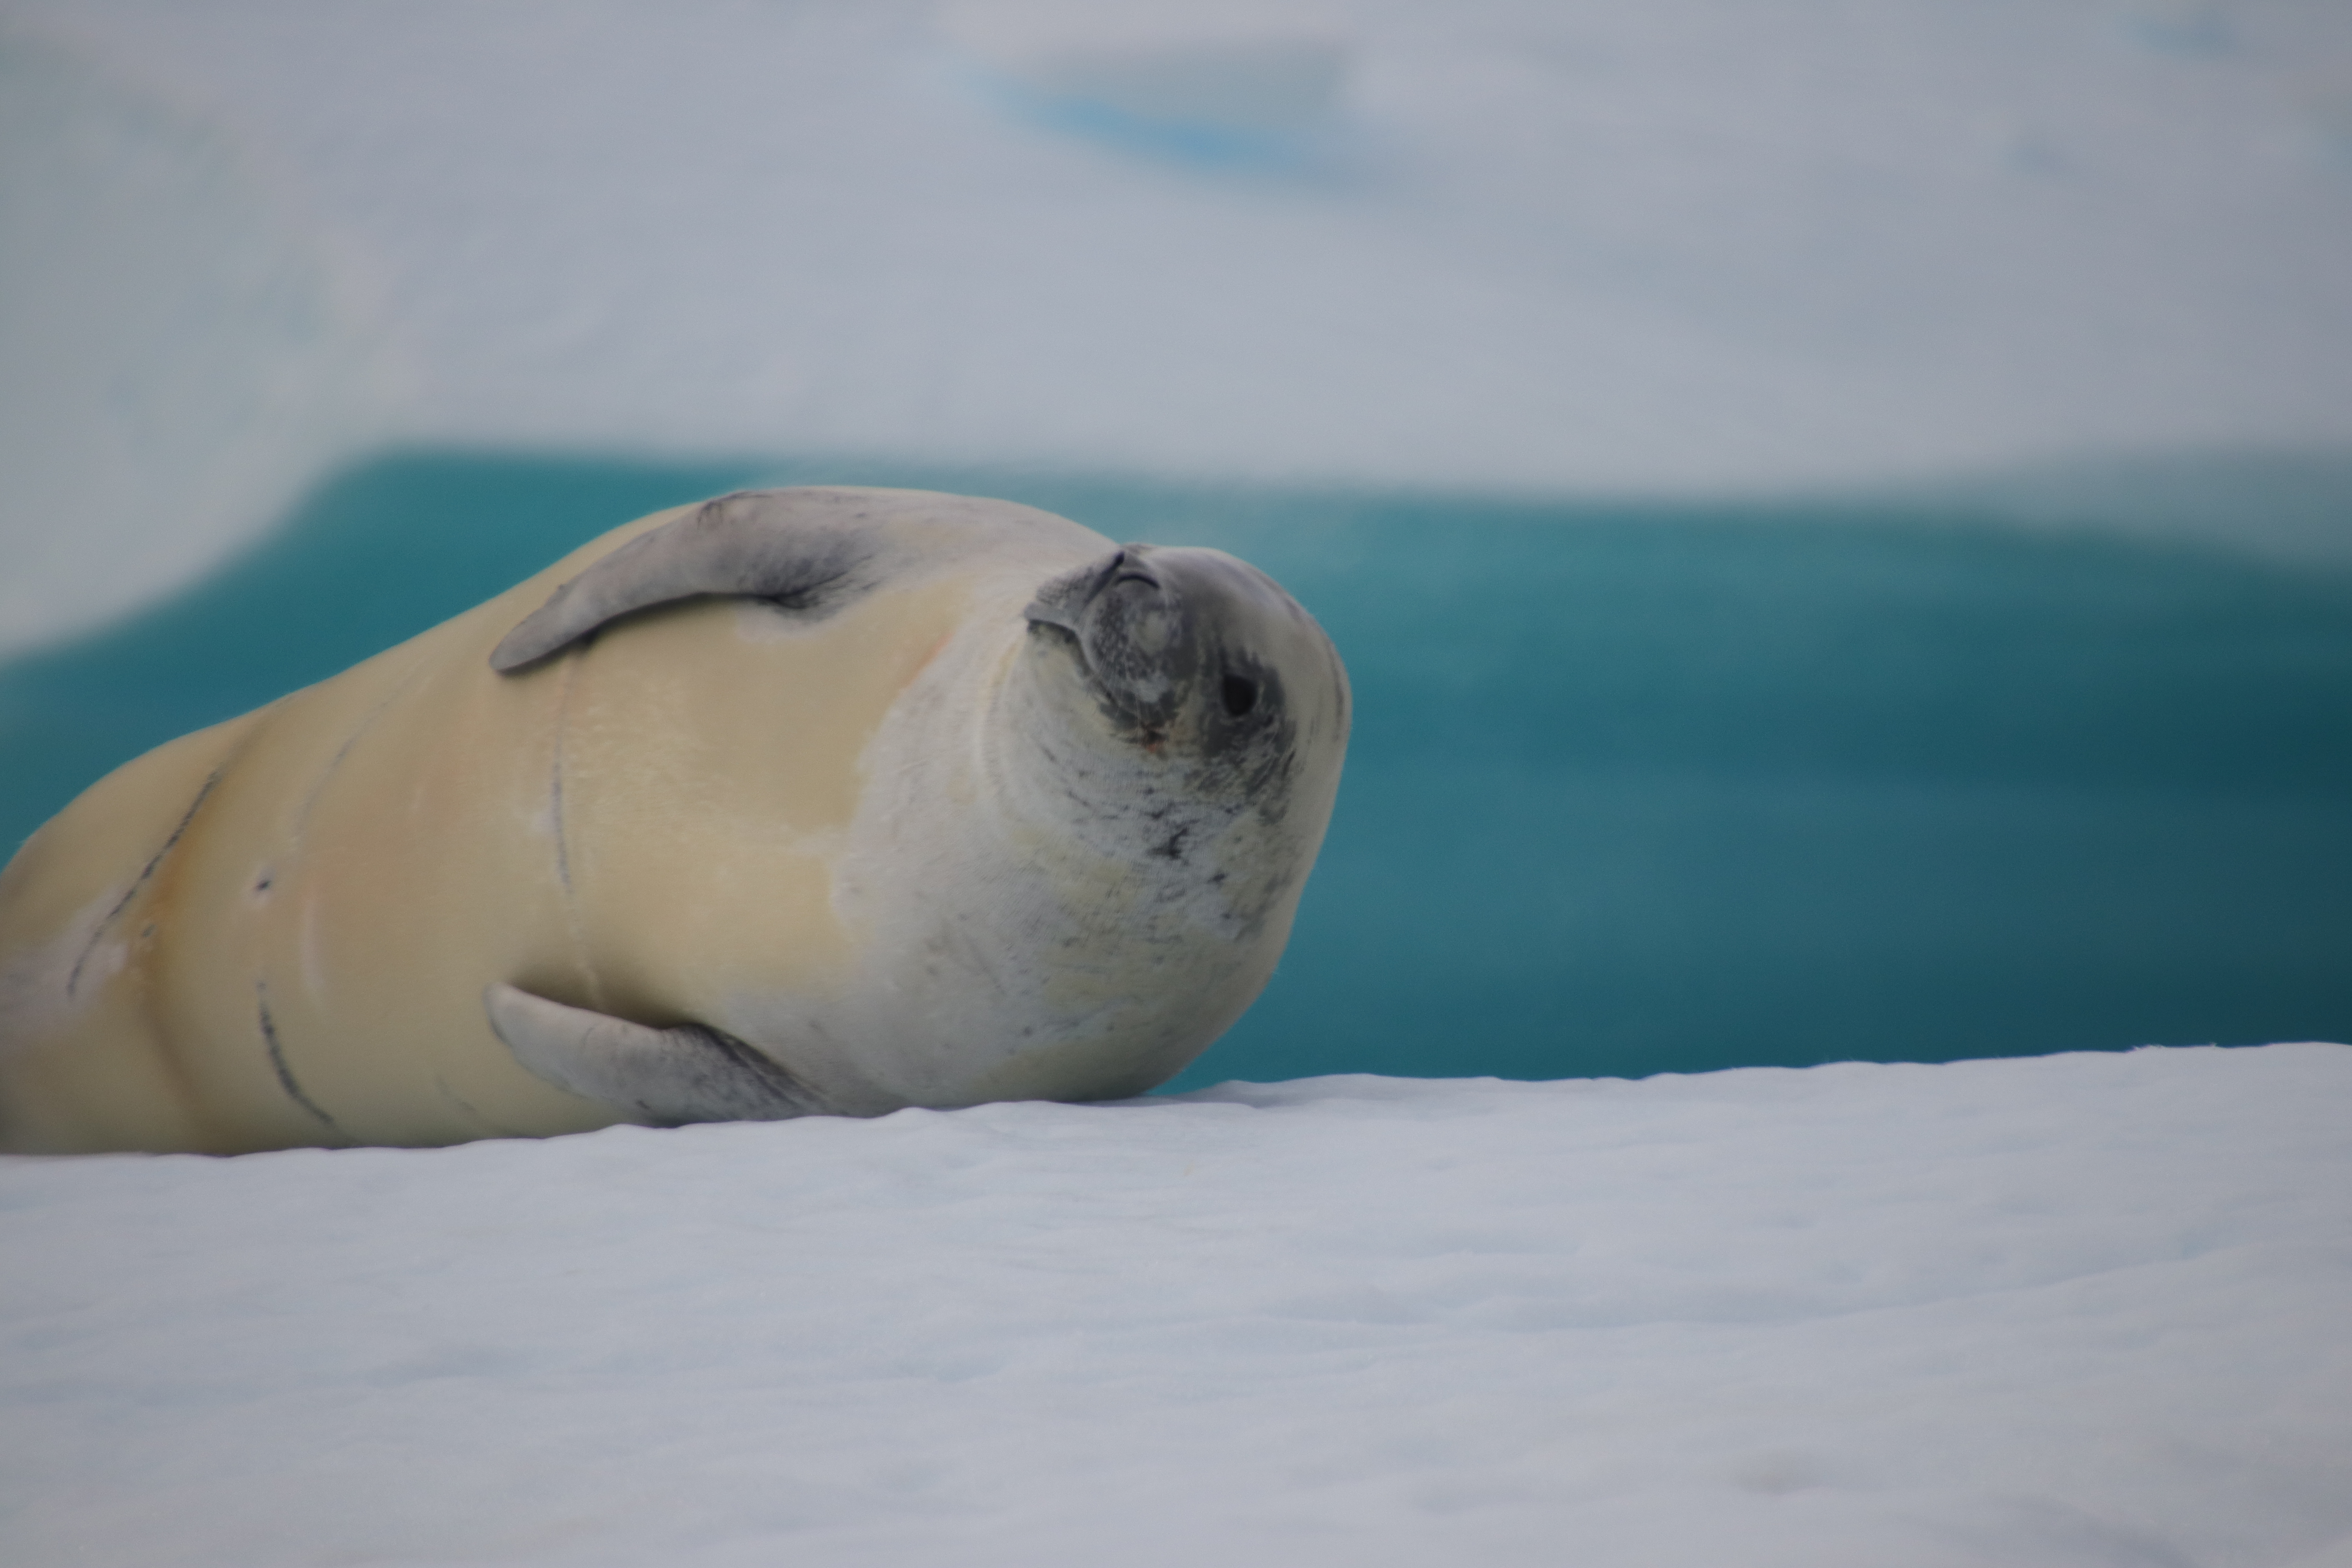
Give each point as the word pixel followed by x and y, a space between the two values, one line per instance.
pixel 808 550
pixel 665 1076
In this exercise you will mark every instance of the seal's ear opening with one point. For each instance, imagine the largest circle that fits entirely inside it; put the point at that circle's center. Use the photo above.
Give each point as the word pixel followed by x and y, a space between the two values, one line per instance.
pixel 808 550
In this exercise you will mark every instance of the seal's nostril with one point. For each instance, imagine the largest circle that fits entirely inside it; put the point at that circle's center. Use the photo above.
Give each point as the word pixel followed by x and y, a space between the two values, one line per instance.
pixel 1240 694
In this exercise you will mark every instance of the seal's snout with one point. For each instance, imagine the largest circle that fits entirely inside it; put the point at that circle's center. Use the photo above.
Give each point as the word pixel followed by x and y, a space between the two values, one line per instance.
pixel 1064 601
pixel 1170 641
pixel 1134 634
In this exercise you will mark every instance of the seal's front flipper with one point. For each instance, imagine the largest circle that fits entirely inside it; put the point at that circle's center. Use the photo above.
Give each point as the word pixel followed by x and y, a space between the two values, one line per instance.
pixel 808 550
pixel 663 1076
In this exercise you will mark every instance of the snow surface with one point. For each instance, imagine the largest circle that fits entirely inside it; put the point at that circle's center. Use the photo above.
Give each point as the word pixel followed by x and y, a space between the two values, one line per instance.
pixel 1653 246
pixel 2081 1310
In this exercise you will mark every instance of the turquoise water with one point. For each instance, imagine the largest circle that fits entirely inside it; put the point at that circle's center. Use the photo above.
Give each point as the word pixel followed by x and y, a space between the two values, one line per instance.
pixel 1632 789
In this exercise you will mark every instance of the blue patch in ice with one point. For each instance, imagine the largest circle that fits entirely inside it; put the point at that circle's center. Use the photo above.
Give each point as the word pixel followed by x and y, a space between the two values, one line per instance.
pixel 1207 146
pixel 2183 27
pixel 1632 789
pixel 1177 140
pixel 1246 91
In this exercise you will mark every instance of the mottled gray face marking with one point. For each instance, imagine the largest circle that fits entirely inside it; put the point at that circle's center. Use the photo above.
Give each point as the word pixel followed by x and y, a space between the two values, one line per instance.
pixel 1169 640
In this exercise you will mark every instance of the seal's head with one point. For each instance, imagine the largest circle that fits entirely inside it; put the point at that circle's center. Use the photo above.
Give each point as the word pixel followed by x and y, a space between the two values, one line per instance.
pixel 1195 657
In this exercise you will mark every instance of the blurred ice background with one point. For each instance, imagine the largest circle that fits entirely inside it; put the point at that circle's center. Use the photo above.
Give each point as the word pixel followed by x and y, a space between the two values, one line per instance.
pixel 1841 518
pixel 1841 512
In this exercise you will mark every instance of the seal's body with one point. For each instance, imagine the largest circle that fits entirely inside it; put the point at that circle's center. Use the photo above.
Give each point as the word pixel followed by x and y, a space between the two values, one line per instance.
pixel 816 800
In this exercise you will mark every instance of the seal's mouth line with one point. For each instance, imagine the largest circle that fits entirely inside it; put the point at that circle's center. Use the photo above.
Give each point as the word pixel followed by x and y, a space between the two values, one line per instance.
pixel 1063 601
pixel 1056 620
pixel 1040 614
pixel 1062 604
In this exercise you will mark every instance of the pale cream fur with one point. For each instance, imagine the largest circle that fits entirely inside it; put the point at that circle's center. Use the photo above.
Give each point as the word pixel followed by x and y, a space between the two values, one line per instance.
pixel 682 819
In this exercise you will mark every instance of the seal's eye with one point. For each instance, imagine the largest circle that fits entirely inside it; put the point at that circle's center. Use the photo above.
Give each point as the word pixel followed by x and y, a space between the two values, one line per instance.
pixel 1240 693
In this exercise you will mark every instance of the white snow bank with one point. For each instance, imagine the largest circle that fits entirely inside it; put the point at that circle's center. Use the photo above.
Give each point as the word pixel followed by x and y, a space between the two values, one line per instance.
pixel 2068 1310
pixel 1670 245
pixel 179 354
